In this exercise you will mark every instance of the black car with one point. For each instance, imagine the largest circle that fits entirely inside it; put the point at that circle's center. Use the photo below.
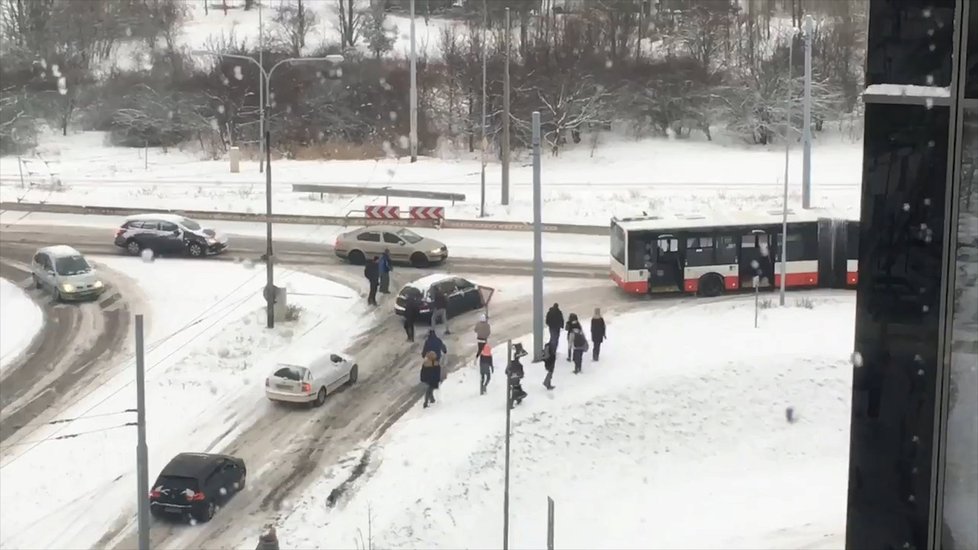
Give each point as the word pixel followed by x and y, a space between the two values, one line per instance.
pixel 195 484
pixel 463 295
pixel 168 234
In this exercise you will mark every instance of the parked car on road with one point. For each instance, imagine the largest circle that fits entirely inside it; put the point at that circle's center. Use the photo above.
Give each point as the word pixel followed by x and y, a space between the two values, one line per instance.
pixel 168 234
pixel 195 484
pixel 463 295
pixel 308 376
pixel 65 273
pixel 406 246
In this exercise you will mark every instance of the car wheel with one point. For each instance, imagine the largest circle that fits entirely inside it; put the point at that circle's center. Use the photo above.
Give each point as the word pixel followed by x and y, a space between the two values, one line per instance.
pixel 133 248
pixel 354 372
pixel 195 250
pixel 356 257
pixel 242 481
pixel 711 285
pixel 320 397
pixel 418 259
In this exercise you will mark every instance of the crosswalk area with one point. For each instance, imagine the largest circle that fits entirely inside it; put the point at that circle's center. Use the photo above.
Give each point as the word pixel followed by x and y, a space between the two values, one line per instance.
pixel 110 300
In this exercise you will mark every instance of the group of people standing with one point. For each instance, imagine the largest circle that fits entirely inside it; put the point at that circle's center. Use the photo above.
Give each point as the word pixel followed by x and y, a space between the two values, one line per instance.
pixel 378 274
pixel 577 342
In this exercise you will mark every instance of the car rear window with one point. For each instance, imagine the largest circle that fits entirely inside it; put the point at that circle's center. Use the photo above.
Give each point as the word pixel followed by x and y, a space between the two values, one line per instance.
pixel 177 483
pixel 290 373
pixel 410 292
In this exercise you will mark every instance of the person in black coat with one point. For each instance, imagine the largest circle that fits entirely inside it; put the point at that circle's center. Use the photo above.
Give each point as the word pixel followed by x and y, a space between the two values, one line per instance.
pixel 411 310
pixel 372 272
pixel 514 372
pixel 555 322
pixel 439 309
pixel 430 376
pixel 572 324
pixel 433 344
pixel 549 356
pixel 598 334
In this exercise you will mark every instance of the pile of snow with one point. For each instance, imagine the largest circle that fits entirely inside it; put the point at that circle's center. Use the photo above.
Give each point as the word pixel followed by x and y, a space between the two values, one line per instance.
pixel 207 355
pixel 622 177
pixel 20 321
pixel 680 437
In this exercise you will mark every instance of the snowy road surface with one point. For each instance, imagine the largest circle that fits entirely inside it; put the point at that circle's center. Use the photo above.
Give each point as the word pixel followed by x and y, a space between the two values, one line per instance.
pixel 20 321
pixel 285 450
pixel 207 353
pixel 677 438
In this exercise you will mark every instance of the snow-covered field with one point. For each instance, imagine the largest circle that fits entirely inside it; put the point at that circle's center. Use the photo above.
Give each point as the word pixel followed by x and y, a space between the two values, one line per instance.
pixel 207 351
pixel 20 321
pixel 621 177
pixel 678 438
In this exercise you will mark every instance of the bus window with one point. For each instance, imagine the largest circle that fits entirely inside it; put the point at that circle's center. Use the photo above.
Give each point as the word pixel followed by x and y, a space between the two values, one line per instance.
pixel 852 241
pixel 638 249
pixel 726 250
pixel 668 244
pixel 618 243
pixel 699 251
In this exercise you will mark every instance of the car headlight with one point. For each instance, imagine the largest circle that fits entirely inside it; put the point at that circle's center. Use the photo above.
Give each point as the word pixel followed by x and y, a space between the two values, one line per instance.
pixel 211 241
pixel 436 250
pixel 98 284
pixel 67 287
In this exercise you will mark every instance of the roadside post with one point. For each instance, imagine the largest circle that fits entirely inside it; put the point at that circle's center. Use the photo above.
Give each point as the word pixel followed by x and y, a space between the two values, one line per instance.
pixel 509 406
pixel 537 244
pixel 757 298
pixel 142 454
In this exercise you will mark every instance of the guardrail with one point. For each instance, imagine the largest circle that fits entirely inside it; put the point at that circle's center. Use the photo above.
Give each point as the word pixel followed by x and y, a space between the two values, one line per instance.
pixel 304 219
pixel 385 192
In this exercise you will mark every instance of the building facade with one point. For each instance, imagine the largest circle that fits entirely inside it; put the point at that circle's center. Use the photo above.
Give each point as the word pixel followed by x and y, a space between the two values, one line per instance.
pixel 913 473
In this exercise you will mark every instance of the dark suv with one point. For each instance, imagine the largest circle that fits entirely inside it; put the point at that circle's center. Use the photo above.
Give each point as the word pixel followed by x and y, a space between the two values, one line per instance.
pixel 195 484
pixel 168 234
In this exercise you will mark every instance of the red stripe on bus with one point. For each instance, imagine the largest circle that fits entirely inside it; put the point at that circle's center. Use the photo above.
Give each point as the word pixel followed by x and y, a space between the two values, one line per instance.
pixel 798 279
pixel 639 287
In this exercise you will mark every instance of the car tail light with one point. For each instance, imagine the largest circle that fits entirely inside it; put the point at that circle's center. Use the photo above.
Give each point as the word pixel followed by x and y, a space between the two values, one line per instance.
pixel 306 387
pixel 196 497
pixel 154 494
pixel 119 231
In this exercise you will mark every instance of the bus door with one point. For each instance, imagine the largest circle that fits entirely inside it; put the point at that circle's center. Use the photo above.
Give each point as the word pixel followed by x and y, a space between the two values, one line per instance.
pixel 666 271
pixel 756 259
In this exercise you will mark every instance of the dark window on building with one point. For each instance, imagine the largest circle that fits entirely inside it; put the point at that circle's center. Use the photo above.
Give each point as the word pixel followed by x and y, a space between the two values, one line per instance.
pixel 900 40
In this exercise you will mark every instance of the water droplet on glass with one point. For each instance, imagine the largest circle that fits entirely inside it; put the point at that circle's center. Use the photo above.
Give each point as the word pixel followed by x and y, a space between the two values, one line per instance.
pixel 248 263
pixel 128 31
pixel 929 103
pixel 932 47
pixel 930 32
pixel 55 70
pixel 223 491
pixel 220 109
pixel 930 80
pixel 925 309
pixel 193 521
pixel 288 109
pixel 44 63
pixel 930 144
pixel 857 359
pixel 906 207
pixel 754 264
pixel 927 200
pixel 927 12
pixel 393 116
pixel 923 226
pixel 388 148
pixel 608 64
pixel 214 125
pixel 147 255
pixel 404 142
pixel 338 73
pixel 918 358
pixel 920 372
pixel 169 115
pixel 238 74
pixel 62 86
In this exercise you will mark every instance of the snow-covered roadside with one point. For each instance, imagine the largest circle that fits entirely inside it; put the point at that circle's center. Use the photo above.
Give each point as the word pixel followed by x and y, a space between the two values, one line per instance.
pixel 663 443
pixel 20 321
pixel 621 177
pixel 207 355
pixel 501 245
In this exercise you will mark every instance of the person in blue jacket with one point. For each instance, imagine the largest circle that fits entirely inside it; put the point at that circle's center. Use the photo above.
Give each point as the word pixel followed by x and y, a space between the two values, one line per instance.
pixel 385 272
pixel 433 344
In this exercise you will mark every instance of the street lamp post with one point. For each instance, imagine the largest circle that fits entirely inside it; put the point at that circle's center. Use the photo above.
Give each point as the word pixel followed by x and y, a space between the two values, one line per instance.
pixel 264 93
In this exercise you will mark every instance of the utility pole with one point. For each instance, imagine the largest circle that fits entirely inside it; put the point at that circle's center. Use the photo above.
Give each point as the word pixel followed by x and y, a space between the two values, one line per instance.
pixel 142 455
pixel 505 144
pixel 537 243
pixel 787 153
pixel 806 131
pixel 485 23
pixel 414 92
pixel 509 406
pixel 269 264
pixel 261 88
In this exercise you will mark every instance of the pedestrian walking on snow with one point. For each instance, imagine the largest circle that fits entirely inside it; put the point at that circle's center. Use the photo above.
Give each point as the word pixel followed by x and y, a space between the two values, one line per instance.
pixel 485 367
pixel 385 269
pixel 598 334
pixel 430 376
pixel 439 309
pixel 433 344
pixel 549 356
pixel 580 345
pixel 372 272
pixel 514 374
pixel 572 324
pixel 555 322
pixel 482 332
pixel 411 310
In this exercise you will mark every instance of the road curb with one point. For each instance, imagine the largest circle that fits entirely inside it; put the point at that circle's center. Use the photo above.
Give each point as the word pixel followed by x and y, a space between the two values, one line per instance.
pixel 304 219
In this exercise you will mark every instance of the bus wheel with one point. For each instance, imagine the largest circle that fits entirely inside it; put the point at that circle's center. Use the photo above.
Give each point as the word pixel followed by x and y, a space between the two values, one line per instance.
pixel 711 285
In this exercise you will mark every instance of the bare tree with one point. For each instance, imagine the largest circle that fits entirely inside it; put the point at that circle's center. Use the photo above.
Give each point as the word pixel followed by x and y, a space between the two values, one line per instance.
pixel 294 22
pixel 568 104
pixel 350 17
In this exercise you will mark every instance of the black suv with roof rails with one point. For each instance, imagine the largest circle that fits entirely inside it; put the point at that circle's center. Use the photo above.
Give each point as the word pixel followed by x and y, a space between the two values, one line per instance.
pixel 167 234
pixel 195 484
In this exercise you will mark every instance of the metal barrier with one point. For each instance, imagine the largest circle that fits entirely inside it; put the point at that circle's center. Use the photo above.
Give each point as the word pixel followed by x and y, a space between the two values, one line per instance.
pixel 303 219
pixel 385 192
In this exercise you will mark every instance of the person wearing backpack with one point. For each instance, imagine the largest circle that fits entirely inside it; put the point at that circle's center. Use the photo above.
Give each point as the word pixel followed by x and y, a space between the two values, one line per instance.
pixel 598 333
pixel 430 377
pixel 580 345
pixel 485 367
pixel 573 324
pixel 549 356
pixel 482 331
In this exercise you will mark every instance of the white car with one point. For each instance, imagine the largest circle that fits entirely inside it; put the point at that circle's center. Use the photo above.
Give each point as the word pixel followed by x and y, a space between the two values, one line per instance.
pixel 66 273
pixel 308 376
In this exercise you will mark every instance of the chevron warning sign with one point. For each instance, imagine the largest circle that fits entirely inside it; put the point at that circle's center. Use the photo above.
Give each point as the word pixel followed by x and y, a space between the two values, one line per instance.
pixel 427 212
pixel 382 212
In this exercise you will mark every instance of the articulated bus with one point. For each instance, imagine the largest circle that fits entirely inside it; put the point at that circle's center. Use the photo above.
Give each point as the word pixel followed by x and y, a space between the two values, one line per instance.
pixel 651 255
